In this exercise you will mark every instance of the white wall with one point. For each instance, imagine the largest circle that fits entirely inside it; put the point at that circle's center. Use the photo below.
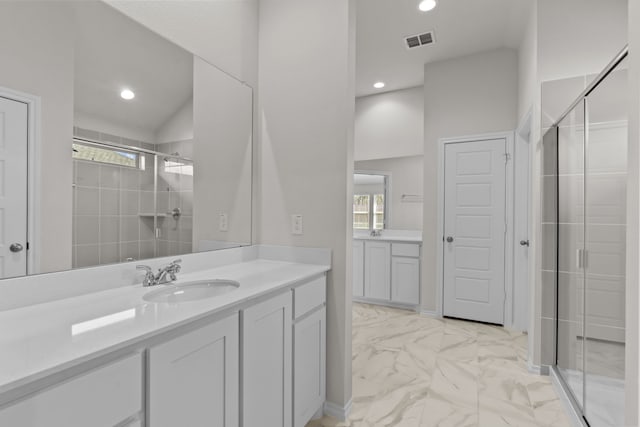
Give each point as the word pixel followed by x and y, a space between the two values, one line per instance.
pixel 179 127
pixel 36 47
pixel 578 37
pixel 527 64
pixel 389 124
pixel 306 118
pixel 224 33
pixel 464 96
pixel 87 121
pixel 406 178
pixel 222 155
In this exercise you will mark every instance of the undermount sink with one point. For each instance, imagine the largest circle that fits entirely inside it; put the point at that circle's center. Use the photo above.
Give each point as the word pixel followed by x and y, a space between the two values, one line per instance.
pixel 191 291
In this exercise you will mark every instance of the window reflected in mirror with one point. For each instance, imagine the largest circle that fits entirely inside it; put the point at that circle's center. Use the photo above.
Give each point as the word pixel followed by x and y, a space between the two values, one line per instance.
pixel 370 212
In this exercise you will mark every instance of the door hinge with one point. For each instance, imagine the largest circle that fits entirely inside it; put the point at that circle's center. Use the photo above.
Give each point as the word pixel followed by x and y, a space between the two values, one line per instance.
pixel 507 157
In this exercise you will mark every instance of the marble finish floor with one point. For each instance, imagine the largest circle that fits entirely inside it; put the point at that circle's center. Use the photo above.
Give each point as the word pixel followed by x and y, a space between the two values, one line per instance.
pixel 414 371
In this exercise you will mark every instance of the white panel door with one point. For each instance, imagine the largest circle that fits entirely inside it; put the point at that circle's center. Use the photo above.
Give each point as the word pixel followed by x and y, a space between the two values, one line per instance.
pixel 474 230
pixel 377 270
pixel 266 363
pixel 194 379
pixel 358 268
pixel 405 280
pixel 309 366
pixel 13 188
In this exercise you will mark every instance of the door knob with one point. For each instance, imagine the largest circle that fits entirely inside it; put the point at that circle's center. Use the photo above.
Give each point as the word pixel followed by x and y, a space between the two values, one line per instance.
pixel 524 243
pixel 449 239
pixel 16 247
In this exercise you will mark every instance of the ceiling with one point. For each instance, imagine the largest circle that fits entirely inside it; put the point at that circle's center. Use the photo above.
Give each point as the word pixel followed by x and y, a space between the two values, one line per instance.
pixel 462 27
pixel 113 52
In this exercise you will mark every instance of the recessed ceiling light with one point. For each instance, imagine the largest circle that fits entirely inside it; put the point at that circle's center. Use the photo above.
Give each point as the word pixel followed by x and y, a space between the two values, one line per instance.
pixel 127 94
pixel 427 5
pixel 378 85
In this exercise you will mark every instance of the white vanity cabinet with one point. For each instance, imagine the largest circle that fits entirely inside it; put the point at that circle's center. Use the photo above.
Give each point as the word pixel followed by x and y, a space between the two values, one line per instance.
pixel 194 378
pixel 358 268
pixel 390 272
pixel 266 362
pixel 377 270
pixel 104 397
pixel 309 350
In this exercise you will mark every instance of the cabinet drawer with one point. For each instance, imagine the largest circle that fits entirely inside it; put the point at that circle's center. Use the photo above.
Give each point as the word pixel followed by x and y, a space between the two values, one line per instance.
pixel 105 397
pixel 405 249
pixel 309 296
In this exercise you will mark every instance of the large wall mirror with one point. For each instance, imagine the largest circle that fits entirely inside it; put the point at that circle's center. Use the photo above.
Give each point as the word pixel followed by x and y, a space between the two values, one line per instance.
pixel 115 144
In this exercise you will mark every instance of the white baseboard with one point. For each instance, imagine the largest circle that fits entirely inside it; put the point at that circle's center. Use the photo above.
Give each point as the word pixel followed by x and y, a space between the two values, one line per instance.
pixel 538 369
pixel 386 303
pixel 429 313
pixel 339 412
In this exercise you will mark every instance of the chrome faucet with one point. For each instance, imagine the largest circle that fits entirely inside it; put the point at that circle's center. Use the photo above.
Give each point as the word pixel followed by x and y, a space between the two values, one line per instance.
pixel 151 279
pixel 376 233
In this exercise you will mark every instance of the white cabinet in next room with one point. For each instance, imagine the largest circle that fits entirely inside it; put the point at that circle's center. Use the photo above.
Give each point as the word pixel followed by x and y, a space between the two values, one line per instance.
pixel 358 268
pixel 194 379
pixel 405 280
pixel 377 270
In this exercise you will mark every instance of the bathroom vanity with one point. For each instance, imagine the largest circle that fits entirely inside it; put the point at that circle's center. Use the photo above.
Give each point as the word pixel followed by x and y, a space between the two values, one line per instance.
pixel 252 356
pixel 386 268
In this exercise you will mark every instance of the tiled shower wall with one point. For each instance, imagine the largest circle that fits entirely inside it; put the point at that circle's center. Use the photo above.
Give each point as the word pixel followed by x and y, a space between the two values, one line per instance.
pixel 113 211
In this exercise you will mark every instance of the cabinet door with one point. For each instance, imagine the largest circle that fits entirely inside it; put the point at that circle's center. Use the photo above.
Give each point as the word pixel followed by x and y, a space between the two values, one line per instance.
pixel 194 379
pixel 103 397
pixel 266 363
pixel 377 266
pixel 405 282
pixel 358 268
pixel 309 367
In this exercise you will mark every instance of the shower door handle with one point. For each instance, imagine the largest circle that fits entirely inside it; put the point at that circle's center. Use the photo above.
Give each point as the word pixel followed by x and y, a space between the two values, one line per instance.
pixel 579 259
pixel 582 259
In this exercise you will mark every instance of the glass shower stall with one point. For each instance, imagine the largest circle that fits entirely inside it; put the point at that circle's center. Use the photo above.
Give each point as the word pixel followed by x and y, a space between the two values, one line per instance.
pixel 585 164
pixel 129 202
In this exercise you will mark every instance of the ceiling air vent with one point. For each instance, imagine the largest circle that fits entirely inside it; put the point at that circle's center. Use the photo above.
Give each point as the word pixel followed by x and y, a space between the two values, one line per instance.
pixel 419 40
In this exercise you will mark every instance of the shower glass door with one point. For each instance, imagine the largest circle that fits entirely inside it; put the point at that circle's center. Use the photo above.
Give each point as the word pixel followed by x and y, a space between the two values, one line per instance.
pixel 605 196
pixel 174 205
pixel 571 246
pixel 591 231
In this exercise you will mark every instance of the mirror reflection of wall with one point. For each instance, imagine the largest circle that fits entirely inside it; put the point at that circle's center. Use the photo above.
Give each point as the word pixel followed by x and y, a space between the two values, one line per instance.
pixel 116 115
pixel 389 133
pixel 404 194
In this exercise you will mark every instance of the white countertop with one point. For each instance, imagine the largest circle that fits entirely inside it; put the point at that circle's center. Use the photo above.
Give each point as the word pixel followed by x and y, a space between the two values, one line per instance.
pixel 409 236
pixel 39 340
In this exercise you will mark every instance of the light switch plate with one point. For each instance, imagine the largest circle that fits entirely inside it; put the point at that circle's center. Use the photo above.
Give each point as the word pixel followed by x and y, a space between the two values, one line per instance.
pixel 296 224
pixel 223 222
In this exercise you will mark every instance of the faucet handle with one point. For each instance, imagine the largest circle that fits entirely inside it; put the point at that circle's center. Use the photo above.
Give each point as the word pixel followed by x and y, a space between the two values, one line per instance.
pixel 149 278
pixel 176 261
